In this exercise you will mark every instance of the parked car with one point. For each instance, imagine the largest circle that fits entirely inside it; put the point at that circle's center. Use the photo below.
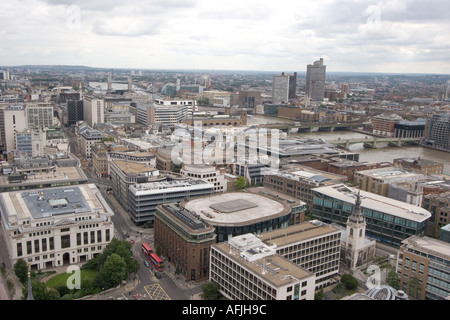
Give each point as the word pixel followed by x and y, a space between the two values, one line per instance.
pixel 146 263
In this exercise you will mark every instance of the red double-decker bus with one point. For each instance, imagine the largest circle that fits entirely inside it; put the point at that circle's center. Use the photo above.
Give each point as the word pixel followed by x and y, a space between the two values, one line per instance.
pixel 146 249
pixel 156 262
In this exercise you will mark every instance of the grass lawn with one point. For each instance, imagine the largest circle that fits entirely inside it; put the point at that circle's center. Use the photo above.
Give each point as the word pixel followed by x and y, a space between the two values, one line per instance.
pixel 61 279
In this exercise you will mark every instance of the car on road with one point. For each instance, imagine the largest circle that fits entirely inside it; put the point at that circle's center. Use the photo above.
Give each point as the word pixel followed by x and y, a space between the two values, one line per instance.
pixel 146 263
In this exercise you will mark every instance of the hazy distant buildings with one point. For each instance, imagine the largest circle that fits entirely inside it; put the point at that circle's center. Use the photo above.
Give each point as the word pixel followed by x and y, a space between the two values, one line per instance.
pixel 315 80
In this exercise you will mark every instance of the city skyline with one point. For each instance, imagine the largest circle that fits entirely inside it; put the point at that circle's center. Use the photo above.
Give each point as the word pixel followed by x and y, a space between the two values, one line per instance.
pixel 351 36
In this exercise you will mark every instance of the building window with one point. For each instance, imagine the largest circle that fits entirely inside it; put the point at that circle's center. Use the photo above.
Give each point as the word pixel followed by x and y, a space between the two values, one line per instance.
pixel 65 241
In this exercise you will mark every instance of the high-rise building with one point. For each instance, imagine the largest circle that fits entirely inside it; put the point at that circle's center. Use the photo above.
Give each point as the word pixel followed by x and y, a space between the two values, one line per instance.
pixel 93 110
pixel 315 80
pixel 74 112
pixel 437 132
pixel 280 89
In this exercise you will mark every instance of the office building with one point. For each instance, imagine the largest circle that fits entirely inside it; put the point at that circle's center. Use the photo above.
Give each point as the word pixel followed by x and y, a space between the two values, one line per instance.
pixel 236 213
pixel 409 129
pixel 389 221
pixel 377 180
pixel 423 266
pixel 74 112
pixel 53 227
pixel 247 269
pixel 206 172
pixel 437 132
pixel 439 207
pixel 184 240
pixel 93 110
pixel 280 89
pixel 311 245
pixel 39 115
pixel 315 80
pixel 145 197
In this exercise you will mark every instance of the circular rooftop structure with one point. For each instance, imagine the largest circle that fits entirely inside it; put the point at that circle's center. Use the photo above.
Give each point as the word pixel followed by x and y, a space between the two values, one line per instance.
pixel 236 213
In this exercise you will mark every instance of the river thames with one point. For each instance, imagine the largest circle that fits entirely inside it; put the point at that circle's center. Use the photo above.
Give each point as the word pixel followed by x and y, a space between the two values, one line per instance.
pixel 383 153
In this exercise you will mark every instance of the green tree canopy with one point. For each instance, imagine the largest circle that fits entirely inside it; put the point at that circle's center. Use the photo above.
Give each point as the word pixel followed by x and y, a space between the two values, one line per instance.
pixel 112 272
pixel 240 183
pixel 210 291
pixel 21 270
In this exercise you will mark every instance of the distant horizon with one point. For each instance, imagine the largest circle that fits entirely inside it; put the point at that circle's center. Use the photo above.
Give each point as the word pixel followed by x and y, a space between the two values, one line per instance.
pixel 210 69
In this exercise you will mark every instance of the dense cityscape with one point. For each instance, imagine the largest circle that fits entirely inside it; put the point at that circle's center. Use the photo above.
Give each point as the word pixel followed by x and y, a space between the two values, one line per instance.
pixel 209 185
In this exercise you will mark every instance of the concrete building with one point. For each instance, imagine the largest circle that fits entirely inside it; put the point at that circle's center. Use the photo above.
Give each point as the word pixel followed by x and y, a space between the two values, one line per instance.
pixel 206 172
pixel 145 197
pixel 248 99
pixel 125 173
pixel 93 110
pixel 35 177
pixel 437 132
pixel 236 213
pixel 311 245
pixel 389 221
pixel 409 129
pixel 184 240
pixel 315 80
pixel 280 89
pixel 55 226
pixel 299 182
pixel 439 207
pixel 161 115
pixel 377 180
pixel 247 269
pixel 88 138
pixel 423 266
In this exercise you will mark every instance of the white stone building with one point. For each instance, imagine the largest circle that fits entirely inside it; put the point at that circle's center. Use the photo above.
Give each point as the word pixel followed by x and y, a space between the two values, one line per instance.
pixel 54 227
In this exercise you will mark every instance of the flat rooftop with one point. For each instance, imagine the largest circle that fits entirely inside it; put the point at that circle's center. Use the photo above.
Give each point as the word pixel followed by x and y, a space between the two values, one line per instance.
pixel 44 203
pixel 387 173
pixel 133 167
pixel 426 244
pixel 236 208
pixel 262 261
pixel 297 233
pixel 376 202
pixel 55 174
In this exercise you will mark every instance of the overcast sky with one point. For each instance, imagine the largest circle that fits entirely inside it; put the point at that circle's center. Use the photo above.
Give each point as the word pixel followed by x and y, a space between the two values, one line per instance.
pixel 404 36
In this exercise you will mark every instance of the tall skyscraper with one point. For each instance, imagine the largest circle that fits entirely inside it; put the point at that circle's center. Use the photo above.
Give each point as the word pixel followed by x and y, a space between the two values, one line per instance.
pixel 280 89
pixel 315 80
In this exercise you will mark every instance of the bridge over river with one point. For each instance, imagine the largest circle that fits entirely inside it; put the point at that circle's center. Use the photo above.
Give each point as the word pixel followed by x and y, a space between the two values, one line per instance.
pixel 371 142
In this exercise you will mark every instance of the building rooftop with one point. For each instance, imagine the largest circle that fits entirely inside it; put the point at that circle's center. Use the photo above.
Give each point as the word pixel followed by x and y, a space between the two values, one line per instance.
pixel 376 202
pixel 429 245
pixel 44 203
pixel 262 260
pixel 236 208
pixel 388 173
pixel 297 233
pixel 38 177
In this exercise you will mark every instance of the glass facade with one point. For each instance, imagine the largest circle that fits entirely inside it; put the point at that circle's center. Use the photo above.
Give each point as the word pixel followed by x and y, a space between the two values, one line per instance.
pixel 382 226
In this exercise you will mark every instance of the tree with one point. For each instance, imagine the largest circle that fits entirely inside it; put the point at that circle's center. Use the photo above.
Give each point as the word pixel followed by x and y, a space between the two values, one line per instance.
pixel 240 183
pixel 349 282
pixel 392 279
pixel 210 291
pixel 40 291
pixel 320 295
pixel 21 270
pixel 112 272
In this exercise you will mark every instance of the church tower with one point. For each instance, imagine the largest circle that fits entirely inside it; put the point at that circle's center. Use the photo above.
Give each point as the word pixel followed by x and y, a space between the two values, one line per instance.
pixel 356 234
